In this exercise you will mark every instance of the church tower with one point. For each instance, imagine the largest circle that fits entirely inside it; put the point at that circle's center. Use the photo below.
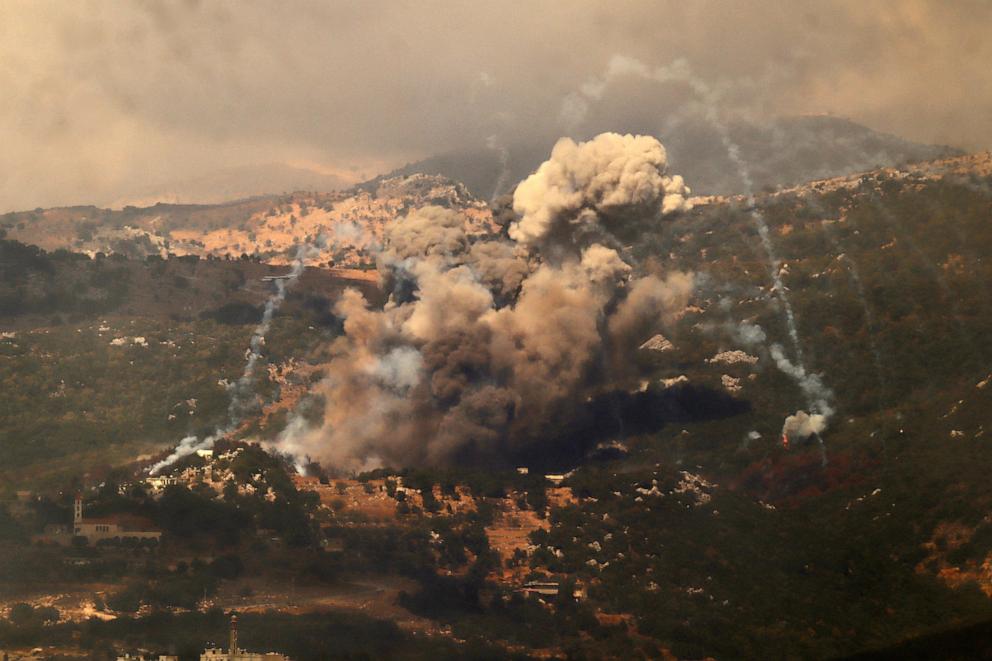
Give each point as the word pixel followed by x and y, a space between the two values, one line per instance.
pixel 233 652
pixel 77 510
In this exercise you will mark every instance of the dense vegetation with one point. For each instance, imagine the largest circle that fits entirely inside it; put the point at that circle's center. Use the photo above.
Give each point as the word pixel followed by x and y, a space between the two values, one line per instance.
pixel 109 357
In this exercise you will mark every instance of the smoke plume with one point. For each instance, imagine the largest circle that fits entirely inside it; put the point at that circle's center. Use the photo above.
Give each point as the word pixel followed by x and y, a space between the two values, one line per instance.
pixel 591 186
pixel 801 425
pixel 485 345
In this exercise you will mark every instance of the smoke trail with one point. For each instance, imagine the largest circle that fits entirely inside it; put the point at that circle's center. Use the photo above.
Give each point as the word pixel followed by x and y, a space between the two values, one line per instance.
pixel 493 143
pixel 802 425
pixel 241 390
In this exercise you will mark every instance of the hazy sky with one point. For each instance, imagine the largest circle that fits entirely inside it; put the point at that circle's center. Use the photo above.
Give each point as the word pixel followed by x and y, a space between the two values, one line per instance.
pixel 102 101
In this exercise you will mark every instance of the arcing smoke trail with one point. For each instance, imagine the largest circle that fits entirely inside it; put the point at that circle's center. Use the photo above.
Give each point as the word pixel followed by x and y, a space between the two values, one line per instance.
pixel 241 390
pixel 573 111
pixel 484 345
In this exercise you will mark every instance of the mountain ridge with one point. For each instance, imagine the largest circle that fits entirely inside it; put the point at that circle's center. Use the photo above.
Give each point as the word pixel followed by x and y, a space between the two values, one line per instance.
pixel 783 152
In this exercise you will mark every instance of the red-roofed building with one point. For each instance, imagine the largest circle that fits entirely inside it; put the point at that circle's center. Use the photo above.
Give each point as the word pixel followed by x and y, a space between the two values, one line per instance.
pixel 116 527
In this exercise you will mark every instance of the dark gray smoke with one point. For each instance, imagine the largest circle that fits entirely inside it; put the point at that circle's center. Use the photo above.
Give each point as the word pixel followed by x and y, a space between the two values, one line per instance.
pixel 485 346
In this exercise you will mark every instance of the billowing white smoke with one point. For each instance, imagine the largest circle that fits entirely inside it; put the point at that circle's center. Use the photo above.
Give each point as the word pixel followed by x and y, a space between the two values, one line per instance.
pixel 588 186
pixel 750 334
pixel 242 392
pixel 801 425
pixel 817 394
pixel 484 347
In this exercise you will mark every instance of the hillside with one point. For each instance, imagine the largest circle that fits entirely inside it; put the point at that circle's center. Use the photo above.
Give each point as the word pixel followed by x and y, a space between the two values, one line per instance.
pixel 338 229
pixel 113 356
pixel 784 152
pixel 683 520
pixel 886 273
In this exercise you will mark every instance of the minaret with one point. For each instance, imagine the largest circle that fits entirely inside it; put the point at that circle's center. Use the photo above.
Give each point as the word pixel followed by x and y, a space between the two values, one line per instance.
pixel 77 510
pixel 233 651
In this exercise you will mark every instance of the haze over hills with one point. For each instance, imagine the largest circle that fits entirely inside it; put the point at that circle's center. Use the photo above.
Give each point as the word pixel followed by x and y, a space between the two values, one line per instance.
pixel 232 184
pixel 782 152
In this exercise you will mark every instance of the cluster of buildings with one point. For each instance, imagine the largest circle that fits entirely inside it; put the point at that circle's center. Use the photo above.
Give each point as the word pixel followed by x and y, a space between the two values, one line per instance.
pixel 209 474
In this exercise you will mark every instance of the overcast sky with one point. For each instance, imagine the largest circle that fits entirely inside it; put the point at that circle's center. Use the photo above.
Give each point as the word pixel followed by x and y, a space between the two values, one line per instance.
pixel 102 100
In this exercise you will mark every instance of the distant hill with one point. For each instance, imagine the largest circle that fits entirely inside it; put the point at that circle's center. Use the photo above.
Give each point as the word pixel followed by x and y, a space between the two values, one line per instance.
pixel 38 288
pixel 784 152
pixel 234 183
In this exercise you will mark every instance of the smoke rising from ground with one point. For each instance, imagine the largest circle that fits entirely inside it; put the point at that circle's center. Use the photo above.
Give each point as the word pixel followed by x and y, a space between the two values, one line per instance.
pixel 484 347
pixel 586 187
pixel 802 425
pixel 818 397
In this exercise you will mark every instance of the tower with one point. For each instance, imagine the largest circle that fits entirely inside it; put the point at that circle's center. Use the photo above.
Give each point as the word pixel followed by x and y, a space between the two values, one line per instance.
pixel 77 510
pixel 233 651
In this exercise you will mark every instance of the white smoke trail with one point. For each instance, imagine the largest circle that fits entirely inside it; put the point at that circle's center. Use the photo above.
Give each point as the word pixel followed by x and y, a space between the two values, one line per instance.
pixel 574 110
pixel 818 396
pixel 241 390
pixel 493 143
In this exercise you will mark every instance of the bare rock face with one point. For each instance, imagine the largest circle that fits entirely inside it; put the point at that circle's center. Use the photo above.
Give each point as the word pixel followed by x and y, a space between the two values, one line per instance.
pixel 734 357
pixel 658 343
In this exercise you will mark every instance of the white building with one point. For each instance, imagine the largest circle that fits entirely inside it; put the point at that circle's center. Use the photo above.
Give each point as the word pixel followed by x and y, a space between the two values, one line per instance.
pixel 158 483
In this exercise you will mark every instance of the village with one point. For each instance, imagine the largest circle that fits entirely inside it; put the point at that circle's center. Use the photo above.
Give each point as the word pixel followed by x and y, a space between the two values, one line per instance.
pixel 126 522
